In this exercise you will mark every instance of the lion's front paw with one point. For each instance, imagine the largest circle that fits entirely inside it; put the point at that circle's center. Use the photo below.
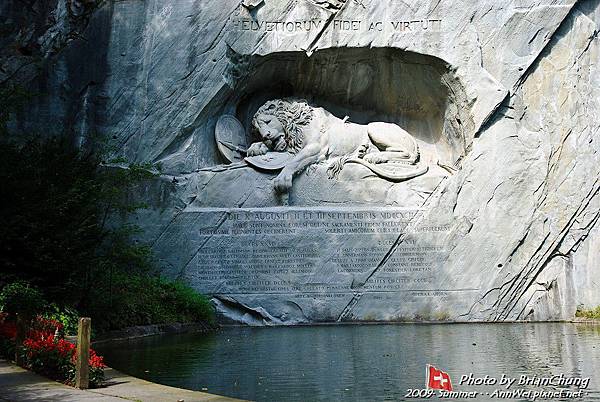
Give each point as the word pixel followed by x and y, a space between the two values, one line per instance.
pixel 258 148
pixel 375 157
pixel 283 181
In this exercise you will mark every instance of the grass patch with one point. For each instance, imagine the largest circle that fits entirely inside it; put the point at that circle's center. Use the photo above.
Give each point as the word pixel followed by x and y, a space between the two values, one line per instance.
pixel 588 313
pixel 143 300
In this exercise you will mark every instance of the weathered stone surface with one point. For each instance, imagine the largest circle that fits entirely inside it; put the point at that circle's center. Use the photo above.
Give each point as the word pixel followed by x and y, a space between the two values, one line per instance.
pixel 502 100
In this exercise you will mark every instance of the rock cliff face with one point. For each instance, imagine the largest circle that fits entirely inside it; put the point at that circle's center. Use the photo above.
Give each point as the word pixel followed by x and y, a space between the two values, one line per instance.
pixel 41 46
pixel 501 97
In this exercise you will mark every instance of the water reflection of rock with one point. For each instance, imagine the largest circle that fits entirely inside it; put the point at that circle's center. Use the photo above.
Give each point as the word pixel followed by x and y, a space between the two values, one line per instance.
pixel 358 363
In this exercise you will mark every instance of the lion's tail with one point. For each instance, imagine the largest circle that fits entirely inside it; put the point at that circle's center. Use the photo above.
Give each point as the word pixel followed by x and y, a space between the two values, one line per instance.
pixel 391 175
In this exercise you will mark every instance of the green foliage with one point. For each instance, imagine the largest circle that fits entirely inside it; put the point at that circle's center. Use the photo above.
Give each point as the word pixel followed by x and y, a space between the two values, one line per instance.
pixel 96 376
pixel 12 99
pixel 593 314
pixel 56 208
pixel 147 299
pixel 50 214
pixel 67 316
pixel 19 298
pixel 59 212
pixel 185 299
pixel 7 348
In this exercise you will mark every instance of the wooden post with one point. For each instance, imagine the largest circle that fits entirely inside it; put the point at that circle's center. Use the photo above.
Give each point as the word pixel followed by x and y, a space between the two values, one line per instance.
pixel 22 329
pixel 82 368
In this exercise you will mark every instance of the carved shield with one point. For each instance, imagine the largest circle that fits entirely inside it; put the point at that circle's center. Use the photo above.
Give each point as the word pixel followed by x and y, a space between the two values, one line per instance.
pixel 231 138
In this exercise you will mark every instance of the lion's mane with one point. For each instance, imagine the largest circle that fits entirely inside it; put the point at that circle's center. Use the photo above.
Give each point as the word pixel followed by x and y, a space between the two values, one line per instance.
pixel 294 115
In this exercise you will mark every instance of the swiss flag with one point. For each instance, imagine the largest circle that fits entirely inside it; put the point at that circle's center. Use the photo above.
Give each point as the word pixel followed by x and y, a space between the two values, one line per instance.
pixel 438 379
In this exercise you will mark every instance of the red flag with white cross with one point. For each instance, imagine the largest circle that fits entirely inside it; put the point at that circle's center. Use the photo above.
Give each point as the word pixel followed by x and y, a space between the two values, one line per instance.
pixel 438 379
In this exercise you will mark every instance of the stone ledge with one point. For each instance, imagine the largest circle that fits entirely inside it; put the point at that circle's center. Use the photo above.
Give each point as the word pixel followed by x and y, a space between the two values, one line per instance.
pixel 18 384
pixel 583 320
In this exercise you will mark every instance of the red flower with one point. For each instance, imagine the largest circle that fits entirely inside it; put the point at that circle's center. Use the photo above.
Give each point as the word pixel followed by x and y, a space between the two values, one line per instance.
pixel 94 361
pixel 46 325
pixel 50 355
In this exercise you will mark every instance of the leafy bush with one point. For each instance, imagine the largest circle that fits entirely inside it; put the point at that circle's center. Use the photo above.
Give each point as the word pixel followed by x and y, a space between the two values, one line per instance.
pixel 68 317
pixel 145 299
pixel 195 307
pixel 20 298
pixel 49 356
pixel 12 99
pixel 59 206
pixel 62 212
pixel 8 333
pixel 55 357
pixel 593 314
pixel 56 208
pixel 46 353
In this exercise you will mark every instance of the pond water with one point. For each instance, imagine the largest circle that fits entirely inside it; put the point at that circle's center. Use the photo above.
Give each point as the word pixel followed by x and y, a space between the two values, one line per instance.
pixel 363 362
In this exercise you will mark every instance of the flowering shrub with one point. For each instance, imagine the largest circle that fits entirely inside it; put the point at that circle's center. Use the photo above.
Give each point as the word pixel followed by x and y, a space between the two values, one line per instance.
pixel 46 353
pixel 49 356
pixel 97 367
pixel 67 316
pixel 41 327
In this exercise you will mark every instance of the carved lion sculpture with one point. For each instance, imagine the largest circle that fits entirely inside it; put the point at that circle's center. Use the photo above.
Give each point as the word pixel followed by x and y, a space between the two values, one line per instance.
pixel 314 135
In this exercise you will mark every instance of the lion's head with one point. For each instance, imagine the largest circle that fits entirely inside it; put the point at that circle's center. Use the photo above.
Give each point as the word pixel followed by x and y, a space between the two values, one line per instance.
pixel 288 115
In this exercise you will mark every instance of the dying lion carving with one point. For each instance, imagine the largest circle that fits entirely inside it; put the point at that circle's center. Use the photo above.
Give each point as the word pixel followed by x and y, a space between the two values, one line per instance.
pixel 314 135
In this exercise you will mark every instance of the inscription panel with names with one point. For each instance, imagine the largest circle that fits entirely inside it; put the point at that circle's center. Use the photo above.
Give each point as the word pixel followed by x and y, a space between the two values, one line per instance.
pixel 314 251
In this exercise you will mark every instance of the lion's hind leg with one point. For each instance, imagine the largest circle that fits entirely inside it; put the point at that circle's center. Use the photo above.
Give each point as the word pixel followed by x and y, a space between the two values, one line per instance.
pixel 394 144
pixel 336 164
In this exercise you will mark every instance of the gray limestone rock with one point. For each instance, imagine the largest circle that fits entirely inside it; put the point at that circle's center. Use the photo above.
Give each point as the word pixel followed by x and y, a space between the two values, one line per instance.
pixel 501 100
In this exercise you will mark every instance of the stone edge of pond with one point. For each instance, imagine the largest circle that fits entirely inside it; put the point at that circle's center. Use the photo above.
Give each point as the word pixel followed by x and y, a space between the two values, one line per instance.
pixel 143 331
pixel 18 383
pixel 582 320
pixel 127 387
